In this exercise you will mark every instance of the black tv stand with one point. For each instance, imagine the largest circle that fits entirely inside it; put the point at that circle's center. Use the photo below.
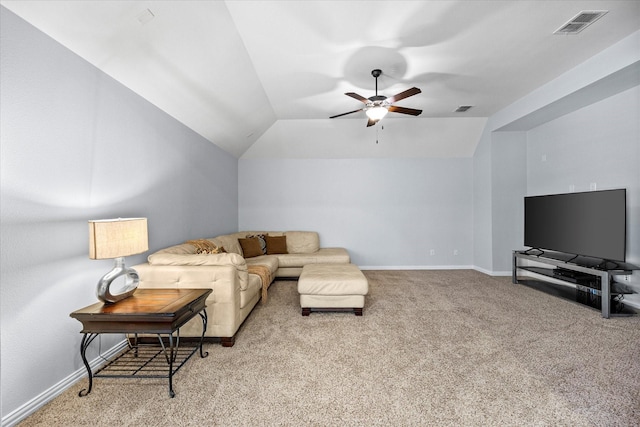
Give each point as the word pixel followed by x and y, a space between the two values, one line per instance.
pixel 584 274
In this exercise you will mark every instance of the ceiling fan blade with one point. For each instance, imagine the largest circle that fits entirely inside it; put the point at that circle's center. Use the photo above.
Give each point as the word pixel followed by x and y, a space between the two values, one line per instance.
pixel 371 122
pixel 404 110
pixel 344 114
pixel 358 97
pixel 402 95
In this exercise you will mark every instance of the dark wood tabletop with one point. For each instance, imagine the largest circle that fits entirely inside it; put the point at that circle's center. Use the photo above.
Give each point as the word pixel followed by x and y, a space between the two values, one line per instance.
pixel 146 311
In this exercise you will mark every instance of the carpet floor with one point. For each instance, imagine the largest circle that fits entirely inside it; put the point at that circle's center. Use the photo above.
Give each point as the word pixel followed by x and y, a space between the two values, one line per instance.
pixel 435 348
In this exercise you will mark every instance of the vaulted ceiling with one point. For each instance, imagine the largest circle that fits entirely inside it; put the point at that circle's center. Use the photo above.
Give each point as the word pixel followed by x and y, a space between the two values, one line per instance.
pixel 241 72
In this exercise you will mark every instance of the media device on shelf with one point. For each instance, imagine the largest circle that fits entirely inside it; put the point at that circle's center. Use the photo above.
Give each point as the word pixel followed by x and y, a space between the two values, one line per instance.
pixel 590 224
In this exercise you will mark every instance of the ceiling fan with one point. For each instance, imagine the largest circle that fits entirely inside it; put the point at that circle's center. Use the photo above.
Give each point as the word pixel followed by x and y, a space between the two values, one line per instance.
pixel 376 107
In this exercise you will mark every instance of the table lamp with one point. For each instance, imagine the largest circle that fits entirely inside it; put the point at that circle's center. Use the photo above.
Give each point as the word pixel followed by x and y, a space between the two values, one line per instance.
pixel 117 238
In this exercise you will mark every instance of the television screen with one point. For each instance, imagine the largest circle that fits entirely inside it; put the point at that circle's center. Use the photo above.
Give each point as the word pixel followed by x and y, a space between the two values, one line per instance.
pixel 591 224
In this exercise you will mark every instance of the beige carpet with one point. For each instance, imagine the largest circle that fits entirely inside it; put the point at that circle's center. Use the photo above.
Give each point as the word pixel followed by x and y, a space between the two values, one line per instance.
pixel 434 348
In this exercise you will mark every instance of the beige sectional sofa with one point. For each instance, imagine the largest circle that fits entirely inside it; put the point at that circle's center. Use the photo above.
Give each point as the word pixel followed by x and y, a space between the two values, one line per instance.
pixel 236 280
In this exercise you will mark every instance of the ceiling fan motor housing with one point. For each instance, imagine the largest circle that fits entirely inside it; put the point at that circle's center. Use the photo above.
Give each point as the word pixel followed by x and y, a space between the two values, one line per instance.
pixel 377 100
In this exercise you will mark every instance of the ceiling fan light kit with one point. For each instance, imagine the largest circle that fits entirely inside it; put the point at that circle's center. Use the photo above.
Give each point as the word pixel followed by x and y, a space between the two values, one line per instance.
pixel 377 112
pixel 377 106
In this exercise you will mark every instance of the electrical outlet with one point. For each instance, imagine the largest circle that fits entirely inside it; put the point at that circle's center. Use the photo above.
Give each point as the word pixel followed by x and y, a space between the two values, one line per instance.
pixel 593 186
pixel 432 252
pixel 455 252
pixel 572 188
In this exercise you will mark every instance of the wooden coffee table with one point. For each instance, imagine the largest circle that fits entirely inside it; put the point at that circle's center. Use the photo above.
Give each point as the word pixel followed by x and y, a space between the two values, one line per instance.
pixel 161 312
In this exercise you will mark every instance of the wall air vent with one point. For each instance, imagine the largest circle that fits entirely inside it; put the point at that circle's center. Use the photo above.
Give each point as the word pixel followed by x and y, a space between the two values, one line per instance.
pixel 462 109
pixel 581 21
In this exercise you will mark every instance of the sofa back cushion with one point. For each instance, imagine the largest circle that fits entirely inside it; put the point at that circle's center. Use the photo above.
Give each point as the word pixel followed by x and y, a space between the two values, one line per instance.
pixel 230 242
pixel 302 242
pixel 181 249
pixel 166 258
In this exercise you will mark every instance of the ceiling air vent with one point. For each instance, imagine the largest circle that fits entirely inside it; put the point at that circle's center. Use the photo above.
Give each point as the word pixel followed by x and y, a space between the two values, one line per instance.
pixel 581 21
pixel 462 109
pixel 145 16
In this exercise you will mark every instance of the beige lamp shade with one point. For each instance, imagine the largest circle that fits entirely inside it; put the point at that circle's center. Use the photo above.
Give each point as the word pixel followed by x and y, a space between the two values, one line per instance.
pixel 120 237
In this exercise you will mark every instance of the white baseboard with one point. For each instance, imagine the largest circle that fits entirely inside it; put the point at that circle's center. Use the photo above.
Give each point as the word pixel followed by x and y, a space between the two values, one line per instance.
pixel 493 273
pixel 435 267
pixel 46 396
pixel 416 267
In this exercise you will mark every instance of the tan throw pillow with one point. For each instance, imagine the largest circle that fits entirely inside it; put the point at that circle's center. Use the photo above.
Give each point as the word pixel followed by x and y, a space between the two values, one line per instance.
pixel 276 244
pixel 204 246
pixel 250 247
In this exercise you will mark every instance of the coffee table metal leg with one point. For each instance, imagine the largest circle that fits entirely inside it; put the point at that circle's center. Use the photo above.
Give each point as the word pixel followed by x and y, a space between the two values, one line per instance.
pixel 87 339
pixel 170 355
pixel 172 352
pixel 134 345
pixel 203 315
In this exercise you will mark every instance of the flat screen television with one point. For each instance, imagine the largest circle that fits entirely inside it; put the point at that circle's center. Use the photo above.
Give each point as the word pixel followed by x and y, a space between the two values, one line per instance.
pixel 591 224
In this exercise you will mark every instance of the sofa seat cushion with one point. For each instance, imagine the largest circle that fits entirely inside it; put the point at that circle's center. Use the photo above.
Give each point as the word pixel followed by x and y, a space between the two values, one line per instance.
pixel 321 256
pixel 270 261
pixel 265 268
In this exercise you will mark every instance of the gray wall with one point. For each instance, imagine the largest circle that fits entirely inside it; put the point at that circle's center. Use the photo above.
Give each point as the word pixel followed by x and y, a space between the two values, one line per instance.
pixel 77 145
pixel 386 212
pixel 597 144
pixel 500 183
pixel 482 204
pixel 508 177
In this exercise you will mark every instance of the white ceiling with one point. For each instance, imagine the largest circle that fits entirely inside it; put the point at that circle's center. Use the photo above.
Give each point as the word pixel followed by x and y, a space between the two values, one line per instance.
pixel 230 70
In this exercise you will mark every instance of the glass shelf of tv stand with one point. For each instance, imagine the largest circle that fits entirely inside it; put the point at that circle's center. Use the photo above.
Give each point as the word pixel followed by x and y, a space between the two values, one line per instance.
pixel 594 276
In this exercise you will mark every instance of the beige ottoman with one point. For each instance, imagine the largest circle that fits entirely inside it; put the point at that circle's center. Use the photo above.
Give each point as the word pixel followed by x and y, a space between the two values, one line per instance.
pixel 332 287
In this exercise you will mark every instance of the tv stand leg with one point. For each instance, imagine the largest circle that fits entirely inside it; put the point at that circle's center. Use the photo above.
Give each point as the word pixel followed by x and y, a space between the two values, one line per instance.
pixel 605 290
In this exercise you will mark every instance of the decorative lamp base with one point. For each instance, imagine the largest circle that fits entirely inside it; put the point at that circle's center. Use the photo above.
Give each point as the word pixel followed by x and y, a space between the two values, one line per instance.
pixel 131 279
